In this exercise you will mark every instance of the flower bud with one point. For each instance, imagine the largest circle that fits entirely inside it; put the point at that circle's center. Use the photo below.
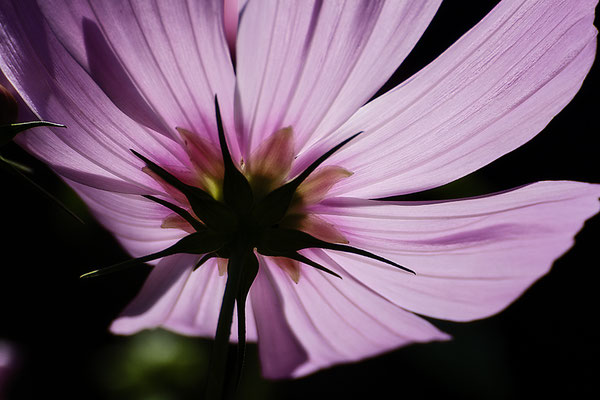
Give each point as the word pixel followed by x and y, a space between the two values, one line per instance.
pixel 8 107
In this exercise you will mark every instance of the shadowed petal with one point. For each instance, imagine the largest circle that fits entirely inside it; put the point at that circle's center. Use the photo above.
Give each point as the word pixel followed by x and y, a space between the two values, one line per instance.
pixel 197 309
pixel 231 12
pixel 472 257
pixel 160 292
pixel 279 349
pixel 492 91
pixel 171 57
pixel 175 298
pixel 310 65
pixel 93 149
pixel 135 221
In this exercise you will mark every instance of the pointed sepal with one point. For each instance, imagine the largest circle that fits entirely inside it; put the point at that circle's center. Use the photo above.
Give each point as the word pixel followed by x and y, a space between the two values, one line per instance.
pixel 237 192
pixel 277 241
pixel 212 212
pixel 8 132
pixel 197 225
pixel 196 243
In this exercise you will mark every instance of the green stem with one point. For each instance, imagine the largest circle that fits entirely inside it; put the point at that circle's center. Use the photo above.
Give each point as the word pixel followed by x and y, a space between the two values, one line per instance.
pixel 218 357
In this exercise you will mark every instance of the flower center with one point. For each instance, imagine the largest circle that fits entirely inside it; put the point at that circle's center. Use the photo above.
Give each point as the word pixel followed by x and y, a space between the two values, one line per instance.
pixel 232 213
pixel 267 169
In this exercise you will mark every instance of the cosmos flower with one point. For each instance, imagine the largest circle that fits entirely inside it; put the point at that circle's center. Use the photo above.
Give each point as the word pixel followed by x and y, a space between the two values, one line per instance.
pixel 143 76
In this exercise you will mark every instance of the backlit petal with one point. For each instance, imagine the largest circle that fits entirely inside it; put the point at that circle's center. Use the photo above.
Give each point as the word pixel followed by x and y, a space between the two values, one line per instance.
pixel 472 257
pixel 152 306
pixel 94 148
pixel 279 348
pixel 311 65
pixel 135 221
pixel 489 93
pixel 170 58
pixel 342 320
pixel 178 299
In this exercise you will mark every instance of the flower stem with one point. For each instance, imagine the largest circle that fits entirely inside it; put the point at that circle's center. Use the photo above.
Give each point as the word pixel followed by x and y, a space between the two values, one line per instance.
pixel 218 357
pixel 241 271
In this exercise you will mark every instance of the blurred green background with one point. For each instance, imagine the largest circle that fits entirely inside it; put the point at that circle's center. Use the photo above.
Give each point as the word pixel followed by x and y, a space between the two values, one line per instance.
pixel 543 344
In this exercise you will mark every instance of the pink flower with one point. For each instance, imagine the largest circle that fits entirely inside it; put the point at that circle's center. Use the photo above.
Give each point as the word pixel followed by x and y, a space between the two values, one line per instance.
pixel 143 76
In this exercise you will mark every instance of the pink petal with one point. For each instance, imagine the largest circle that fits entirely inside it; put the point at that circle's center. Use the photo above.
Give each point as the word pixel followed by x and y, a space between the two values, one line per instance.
pixel 152 306
pixel 230 23
pixel 94 149
pixel 472 257
pixel 170 57
pixel 196 311
pixel 135 221
pixel 310 65
pixel 492 91
pixel 175 298
pixel 342 320
pixel 279 348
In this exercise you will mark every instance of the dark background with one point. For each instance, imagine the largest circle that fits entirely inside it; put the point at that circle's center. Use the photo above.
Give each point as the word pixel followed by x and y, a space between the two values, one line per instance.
pixel 545 343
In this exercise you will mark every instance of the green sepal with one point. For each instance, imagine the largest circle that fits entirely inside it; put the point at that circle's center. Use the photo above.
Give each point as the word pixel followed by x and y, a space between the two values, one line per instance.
pixel 212 212
pixel 273 207
pixel 14 164
pixel 281 241
pixel 204 259
pixel 195 243
pixel 237 192
pixel 305 260
pixel 8 132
